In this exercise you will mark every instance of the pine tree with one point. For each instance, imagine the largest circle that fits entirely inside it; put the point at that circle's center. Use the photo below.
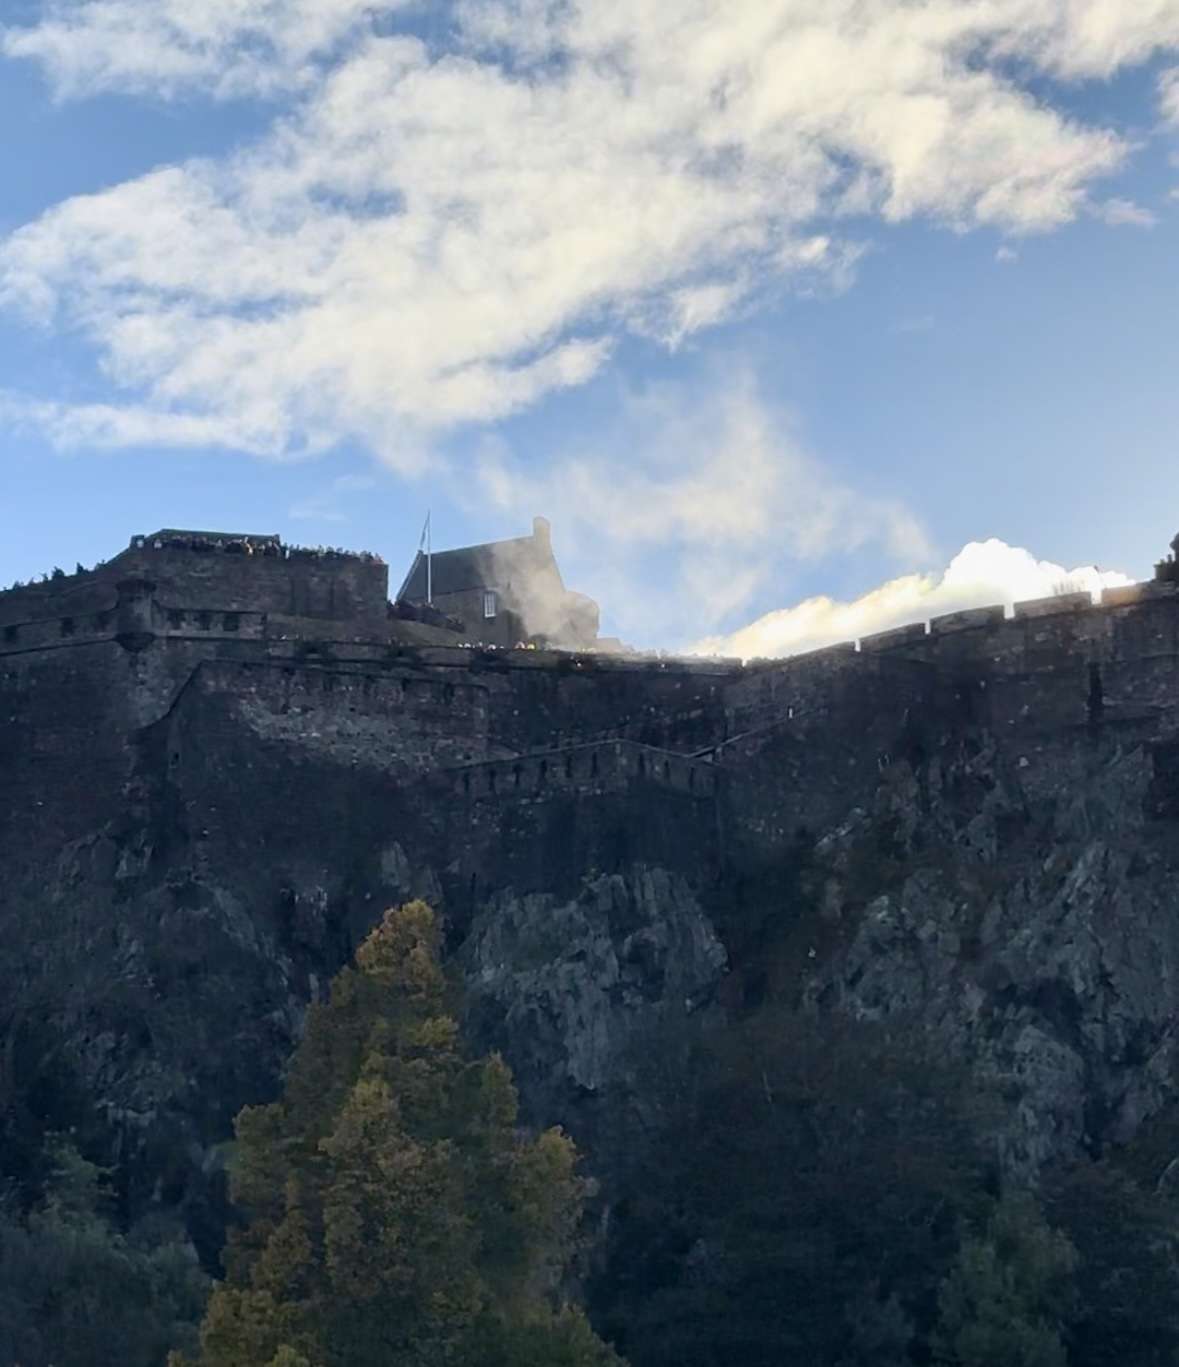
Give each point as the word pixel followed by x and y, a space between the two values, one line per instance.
pixel 396 1215
pixel 1007 1295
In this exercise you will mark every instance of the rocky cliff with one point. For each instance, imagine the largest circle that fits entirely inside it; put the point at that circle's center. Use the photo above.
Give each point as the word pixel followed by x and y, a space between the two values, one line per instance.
pixel 973 830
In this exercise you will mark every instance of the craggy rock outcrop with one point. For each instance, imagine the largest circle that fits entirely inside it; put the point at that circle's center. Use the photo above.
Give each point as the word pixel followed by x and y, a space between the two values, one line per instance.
pixel 569 987
pixel 1049 960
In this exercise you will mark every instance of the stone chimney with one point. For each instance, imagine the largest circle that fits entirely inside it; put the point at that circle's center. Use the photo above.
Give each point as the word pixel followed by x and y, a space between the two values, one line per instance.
pixel 542 534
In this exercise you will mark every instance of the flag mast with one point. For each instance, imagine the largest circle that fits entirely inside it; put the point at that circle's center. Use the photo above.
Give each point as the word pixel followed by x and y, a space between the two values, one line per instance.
pixel 429 564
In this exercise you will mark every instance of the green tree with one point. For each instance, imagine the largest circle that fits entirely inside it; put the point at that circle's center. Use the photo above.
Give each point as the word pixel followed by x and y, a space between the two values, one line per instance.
pixel 396 1215
pixel 1127 1307
pixel 76 1292
pixel 798 1199
pixel 1004 1302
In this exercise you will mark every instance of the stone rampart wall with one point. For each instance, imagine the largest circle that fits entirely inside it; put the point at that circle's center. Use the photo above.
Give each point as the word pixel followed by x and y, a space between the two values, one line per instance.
pixel 603 766
pixel 1057 661
pixel 395 722
pixel 1108 659
pixel 335 588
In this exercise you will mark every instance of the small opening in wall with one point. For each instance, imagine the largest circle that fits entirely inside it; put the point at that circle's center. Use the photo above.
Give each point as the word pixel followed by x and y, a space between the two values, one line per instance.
pixel 490 604
pixel 232 621
pixel 11 633
pixel 67 626
pixel 204 621
pixel 175 619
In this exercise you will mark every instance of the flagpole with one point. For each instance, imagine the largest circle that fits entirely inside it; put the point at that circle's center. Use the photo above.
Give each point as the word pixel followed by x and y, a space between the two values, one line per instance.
pixel 429 564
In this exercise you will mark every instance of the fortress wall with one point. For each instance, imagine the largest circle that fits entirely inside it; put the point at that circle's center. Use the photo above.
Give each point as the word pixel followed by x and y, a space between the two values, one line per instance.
pixel 831 724
pixel 1131 639
pixel 515 843
pixel 559 700
pixel 603 766
pixel 64 752
pixel 397 723
pixel 331 588
pixel 801 685
pixel 300 821
pixel 74 595
pixel 304 587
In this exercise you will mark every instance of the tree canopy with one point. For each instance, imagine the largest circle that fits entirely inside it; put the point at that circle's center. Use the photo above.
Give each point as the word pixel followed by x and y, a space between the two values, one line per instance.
pixel 395 1212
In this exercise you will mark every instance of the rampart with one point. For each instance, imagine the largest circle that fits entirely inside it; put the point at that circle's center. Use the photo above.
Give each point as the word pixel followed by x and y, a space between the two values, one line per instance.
pixel 304 642
pixel 596 767
pixel 169 582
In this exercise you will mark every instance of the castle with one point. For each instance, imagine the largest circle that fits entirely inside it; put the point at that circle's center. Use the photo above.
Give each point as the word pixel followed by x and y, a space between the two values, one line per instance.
pixel 304 648
pixel 221 756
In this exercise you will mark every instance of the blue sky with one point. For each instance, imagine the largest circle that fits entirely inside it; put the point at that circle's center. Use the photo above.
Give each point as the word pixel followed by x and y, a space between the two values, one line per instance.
pixel 757 303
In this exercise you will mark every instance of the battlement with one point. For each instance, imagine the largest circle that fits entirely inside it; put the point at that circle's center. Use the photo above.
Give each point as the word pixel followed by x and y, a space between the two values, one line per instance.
pixel 176 599
pixel 203 578
pixel 248 544
pixel 598 766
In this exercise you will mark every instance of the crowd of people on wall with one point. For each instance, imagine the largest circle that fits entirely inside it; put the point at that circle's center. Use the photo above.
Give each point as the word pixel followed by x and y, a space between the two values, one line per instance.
pixel 270 546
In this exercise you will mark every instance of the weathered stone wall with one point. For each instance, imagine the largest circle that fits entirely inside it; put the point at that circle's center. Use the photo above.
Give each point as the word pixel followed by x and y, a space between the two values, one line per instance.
pixel 189 584
pixel 220 812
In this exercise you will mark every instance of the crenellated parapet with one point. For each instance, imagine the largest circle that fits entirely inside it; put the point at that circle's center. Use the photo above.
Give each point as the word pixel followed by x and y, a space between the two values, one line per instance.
pixel 597 767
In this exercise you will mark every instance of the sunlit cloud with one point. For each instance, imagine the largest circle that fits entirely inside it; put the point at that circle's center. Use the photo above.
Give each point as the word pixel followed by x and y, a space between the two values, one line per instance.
pixel 425 239
pixel 714 473
pixel 982 574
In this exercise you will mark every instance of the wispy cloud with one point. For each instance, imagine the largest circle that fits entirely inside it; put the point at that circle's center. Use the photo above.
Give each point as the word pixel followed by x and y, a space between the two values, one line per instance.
pixel 1124 213
pixel 425 239
pixel 714 472
pixel 983 573
pixel 332 503
pixel 1006 255
pixel 1169 94
pixel 229 48
pixel 921 322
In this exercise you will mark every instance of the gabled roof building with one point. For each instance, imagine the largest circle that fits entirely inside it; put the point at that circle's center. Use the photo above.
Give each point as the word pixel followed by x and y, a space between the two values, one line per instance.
pixel 504 593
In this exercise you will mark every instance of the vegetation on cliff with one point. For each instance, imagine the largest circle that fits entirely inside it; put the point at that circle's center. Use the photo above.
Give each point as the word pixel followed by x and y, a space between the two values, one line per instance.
pixel 75 1291
pixel 397 1214
pixel 804 1189
pixel 824 1193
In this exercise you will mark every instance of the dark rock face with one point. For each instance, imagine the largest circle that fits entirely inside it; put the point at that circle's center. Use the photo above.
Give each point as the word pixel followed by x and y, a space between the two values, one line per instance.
pixel 973 826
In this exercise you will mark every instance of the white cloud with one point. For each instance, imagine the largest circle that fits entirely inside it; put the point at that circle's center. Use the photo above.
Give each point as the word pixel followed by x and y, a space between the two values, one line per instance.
pixel 981 574
pixel 1005 255
pixel 712 472
pixel 1124 213
pixel 426 239
pixel 230 48
pixel 331 504
pixel 1169 94
pixel 103 426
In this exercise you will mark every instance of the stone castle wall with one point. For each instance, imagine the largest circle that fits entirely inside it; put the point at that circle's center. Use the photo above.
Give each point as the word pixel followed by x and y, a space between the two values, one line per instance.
pixel 191 585
pixel 300 644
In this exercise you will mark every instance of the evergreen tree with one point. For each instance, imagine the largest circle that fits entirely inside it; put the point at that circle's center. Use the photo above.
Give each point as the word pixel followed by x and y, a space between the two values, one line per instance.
pixel 76 1292
pixel 396 1216
pixel 1127 1306
pixel 799 1200
pixel 1006 1298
